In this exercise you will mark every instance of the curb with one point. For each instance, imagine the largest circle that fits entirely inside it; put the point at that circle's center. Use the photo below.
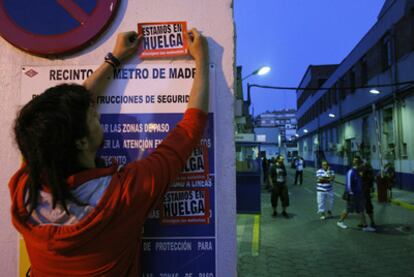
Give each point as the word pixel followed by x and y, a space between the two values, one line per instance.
pixel 403 204
pixel 397 202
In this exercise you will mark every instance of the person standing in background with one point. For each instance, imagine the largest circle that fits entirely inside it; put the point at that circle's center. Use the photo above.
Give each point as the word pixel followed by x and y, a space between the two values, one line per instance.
pixel 367 174
pixel 324 190
pixel 355 198
pixel 265 168
pixel 299 165
pixel 278 178
pixel 389 177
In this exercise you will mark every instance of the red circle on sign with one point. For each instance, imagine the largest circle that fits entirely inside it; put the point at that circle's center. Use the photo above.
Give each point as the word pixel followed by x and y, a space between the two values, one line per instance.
pixel 91 25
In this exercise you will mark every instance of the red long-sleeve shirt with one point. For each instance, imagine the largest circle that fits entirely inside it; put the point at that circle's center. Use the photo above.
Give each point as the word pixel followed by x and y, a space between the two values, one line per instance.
pixel 106 242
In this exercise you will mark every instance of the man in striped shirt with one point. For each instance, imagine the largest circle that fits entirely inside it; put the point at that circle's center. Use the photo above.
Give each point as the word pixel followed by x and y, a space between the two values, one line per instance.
pixel 324 190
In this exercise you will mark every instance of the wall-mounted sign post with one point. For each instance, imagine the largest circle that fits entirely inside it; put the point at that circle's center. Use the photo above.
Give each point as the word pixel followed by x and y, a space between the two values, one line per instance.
pixel 54 27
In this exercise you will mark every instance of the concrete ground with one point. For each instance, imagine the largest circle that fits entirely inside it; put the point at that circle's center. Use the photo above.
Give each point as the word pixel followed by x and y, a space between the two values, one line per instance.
pixel 305 245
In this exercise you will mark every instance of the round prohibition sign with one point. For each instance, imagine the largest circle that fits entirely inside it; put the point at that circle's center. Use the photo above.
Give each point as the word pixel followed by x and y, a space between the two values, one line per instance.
pixel 54 26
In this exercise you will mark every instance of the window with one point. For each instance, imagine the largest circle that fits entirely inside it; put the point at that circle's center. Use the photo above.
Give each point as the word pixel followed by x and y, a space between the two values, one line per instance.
pixel 330 98
pixel 387 56
pixel 261 138
pixel 331 138
pixel 324 103
pixel 342 93
pixel 388 127
pixel 352 81
pixel 412 27
pixel 364 71
pixel 336 134
pixel 320 82
pixel 365 130
pixel 365 143
pixel 320 107
pixel 404 151
pixel 336 94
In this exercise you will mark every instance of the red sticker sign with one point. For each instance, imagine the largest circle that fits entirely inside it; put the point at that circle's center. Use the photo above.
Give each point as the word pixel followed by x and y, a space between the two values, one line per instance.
pixel 163 39
pixel 185 206
pixel 54 27
pixel 196 167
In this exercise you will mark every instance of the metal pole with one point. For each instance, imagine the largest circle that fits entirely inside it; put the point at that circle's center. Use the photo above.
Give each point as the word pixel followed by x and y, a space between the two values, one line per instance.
pixel 248 94
pixel 399 140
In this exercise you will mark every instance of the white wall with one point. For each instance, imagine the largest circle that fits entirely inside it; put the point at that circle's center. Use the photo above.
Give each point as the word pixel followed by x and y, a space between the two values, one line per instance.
pixel 215 19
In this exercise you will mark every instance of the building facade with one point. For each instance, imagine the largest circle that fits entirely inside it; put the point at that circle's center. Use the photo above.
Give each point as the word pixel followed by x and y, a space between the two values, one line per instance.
pixel 339 118
pixel 277 132
pixel 284 120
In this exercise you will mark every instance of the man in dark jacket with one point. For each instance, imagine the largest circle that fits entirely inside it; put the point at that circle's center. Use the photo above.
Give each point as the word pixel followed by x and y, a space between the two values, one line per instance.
pixel 278 178
pixel 355 201
pixel 367 175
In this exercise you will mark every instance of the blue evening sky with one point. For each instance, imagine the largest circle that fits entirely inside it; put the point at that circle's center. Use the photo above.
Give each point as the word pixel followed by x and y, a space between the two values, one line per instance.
pixel 290 35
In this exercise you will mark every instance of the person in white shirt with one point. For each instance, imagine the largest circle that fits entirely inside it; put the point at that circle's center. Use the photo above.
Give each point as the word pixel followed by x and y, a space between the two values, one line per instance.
pixel 324 190
pixel 299 165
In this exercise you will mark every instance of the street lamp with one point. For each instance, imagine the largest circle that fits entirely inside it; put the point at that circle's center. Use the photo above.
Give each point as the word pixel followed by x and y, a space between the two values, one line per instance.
pixel 374 91
pixel 264 70
pixel 260 71
pixel 331 115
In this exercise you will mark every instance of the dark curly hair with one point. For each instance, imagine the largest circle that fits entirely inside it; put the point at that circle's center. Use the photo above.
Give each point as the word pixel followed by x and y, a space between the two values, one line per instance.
pixel 46 130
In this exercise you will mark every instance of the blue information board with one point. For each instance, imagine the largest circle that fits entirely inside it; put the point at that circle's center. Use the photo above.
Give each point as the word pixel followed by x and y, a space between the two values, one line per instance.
pixel 184 249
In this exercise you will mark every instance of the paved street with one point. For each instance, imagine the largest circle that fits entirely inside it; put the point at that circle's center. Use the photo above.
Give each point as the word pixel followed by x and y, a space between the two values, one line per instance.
pixel 304 245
